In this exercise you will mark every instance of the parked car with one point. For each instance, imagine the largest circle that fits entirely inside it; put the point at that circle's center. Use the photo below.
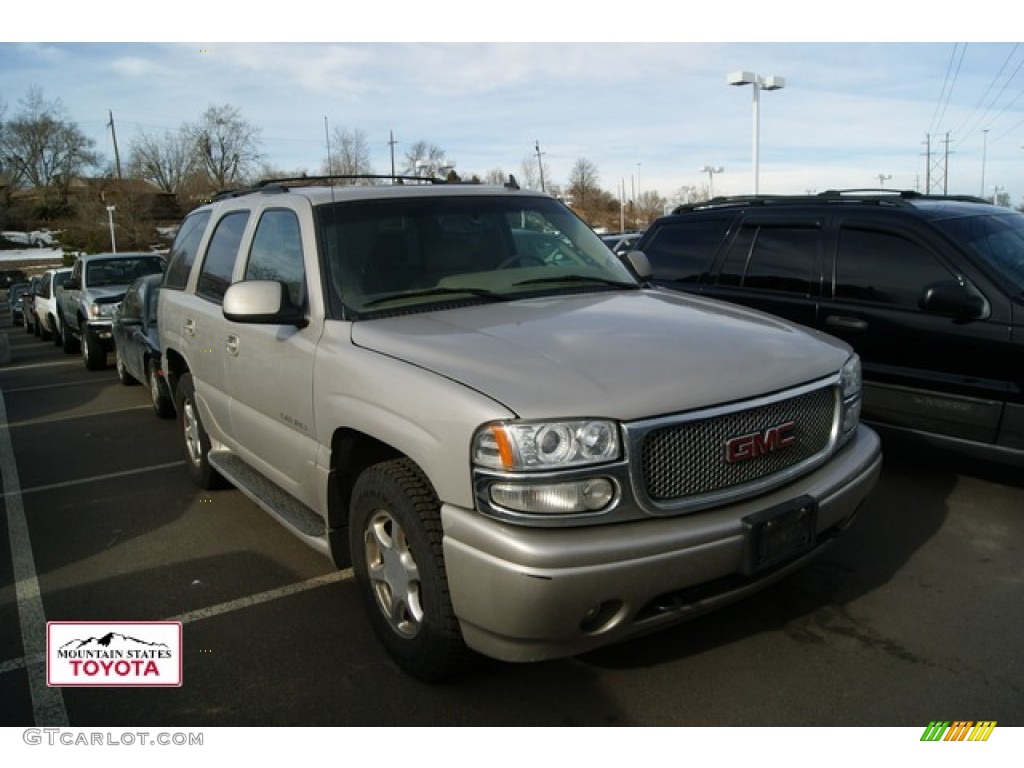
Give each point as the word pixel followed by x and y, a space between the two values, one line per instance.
pixel 90 296
pixel 28 308
pixel 526 458
pixel 51 283
pixel 137 342
pixel 16 302
pixel 929 290
pixel 9 277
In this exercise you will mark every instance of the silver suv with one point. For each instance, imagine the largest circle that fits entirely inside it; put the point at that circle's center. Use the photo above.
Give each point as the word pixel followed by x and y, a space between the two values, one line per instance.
pixel 523 453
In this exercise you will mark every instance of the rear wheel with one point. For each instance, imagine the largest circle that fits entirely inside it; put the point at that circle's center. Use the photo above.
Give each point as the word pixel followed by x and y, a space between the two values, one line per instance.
pixel 195 440
pixel 158 392
pixel 68 342
pixel 395 542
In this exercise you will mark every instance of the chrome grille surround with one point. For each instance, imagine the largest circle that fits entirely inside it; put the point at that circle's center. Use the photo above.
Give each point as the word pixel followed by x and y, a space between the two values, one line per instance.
pixel 662 450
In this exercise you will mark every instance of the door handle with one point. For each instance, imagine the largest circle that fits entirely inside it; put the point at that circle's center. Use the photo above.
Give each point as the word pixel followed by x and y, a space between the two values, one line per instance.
pixel 231 345
pixel 849 323
pixel 189 327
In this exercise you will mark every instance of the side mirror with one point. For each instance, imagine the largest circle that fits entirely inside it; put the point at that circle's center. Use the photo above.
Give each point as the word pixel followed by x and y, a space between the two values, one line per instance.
pixel 72 285
pixel 638 264
pixel 263 302
pixel 952 298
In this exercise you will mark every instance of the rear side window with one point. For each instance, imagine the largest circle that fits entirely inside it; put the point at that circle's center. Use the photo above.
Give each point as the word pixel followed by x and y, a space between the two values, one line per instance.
pixel 778 258
pixel 183 252
pixel 682 251
pixel 219 264
pixel 884 267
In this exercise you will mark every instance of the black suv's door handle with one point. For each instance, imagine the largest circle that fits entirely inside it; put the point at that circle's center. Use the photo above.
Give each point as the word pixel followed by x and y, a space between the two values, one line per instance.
pixel 849 323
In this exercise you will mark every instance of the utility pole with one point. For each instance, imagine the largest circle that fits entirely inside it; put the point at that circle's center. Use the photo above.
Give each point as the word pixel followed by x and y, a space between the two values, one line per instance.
pixel 540 165
pixel 117 156
pixel 391 145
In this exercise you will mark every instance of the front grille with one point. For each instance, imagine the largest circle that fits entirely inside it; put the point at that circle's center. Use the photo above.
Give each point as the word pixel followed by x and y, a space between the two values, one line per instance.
pixel 687 459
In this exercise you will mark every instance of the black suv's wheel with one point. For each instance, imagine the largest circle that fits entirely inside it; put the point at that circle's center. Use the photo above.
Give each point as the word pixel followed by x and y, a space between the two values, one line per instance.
pixel 395 542
pixel 196 441
pixel 158 392
pixel 122 372
pixel 93 354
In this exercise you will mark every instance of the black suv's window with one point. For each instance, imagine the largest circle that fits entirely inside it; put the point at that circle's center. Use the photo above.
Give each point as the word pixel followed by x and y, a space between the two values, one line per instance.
pixel 219 264
pixel 682 251
pixel 884 267
pixel 276 253
pixel 997 240
pixel 183 252
pixel 772 258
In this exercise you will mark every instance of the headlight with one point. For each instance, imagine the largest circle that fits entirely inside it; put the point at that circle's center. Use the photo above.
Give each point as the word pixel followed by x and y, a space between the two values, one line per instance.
pixel 519 445
pixel 850 385
pixel 102 310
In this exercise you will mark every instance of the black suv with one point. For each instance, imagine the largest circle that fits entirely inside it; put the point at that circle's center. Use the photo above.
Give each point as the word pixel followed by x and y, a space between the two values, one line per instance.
pixel 929 290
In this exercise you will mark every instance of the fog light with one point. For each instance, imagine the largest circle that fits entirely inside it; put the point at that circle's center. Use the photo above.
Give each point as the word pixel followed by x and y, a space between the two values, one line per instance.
pixel 851 415
pixel 590 495
pixel 601 617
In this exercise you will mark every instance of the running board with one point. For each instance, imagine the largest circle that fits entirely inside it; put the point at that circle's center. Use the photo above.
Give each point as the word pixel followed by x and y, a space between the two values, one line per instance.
pixel 281 505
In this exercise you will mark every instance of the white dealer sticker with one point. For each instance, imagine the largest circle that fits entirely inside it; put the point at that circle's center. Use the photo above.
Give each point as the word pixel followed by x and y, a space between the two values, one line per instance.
pixel 130 653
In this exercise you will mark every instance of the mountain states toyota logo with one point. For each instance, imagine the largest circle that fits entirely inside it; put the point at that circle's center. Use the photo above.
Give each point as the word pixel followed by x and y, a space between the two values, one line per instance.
pixel 136 653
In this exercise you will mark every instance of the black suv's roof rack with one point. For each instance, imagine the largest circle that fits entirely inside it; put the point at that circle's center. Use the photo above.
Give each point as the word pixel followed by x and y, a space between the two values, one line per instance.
pixel 897 197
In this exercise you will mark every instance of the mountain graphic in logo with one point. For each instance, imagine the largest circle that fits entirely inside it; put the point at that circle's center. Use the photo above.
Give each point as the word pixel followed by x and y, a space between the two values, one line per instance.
pixel 109 642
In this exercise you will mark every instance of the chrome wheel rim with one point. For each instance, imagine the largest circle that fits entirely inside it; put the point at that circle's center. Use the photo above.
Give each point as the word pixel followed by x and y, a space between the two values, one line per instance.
pixel 394 575
pixel 190 420
pixel 154 388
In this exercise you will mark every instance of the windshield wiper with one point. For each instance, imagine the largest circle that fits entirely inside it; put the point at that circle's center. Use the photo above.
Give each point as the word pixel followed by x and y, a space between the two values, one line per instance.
pixel 579 279
pixel 478 292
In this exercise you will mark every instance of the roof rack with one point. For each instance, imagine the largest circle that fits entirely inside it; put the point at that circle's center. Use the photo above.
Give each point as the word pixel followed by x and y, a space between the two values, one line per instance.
pixel 896 197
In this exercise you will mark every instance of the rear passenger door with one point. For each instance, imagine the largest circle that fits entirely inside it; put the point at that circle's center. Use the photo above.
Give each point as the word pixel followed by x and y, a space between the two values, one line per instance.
pixel 922 369
pixel 773 263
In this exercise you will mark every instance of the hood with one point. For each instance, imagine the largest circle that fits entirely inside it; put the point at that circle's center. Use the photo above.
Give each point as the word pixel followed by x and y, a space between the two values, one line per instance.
pixel 107 293
pixel 623 355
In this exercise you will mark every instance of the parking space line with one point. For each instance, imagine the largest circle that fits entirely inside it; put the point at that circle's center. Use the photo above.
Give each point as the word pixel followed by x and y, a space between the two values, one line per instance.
pixel 39 387
pixel 28 366
pixel 47 703
pixel 72 417
pixel 99 478
pixel 38 659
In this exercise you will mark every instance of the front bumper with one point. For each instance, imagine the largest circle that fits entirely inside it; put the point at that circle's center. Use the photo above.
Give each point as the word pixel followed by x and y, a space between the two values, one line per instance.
pixel 101 332
pixel 528 594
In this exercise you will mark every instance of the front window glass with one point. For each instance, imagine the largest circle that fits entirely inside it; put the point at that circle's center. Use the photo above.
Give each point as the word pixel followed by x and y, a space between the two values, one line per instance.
pixel 387 256
pixel 276 253
pixel 998 241
pixel 884 268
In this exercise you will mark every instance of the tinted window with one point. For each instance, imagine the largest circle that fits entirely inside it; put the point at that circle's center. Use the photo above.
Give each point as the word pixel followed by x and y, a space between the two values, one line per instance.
pixel 884 267
pixel 183 252
pixel 219 264
pixel 276 253
pixel 683 251
pixel 773 258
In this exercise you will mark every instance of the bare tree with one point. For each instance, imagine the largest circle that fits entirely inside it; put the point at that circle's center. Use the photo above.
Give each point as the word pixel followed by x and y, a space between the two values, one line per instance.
pixel 42 148
pixel 423 159
pixel 167 161
pixel 350 154
pixel 225 145
pixel 530 172
pixel 583 183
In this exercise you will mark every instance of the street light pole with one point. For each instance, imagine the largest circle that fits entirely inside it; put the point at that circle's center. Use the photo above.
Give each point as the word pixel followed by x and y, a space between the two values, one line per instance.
pixel 110 218
pixel 710 170
pixel 759 83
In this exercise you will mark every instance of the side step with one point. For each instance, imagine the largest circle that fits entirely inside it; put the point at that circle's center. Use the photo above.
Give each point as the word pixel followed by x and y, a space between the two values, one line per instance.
pixel 285 508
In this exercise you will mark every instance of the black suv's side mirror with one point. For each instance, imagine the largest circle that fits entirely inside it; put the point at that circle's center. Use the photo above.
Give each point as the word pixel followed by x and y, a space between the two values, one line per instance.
pixel 950 297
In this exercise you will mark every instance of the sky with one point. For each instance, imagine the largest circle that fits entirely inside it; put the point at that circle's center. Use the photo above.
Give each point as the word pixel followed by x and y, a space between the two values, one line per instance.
pixel 648 115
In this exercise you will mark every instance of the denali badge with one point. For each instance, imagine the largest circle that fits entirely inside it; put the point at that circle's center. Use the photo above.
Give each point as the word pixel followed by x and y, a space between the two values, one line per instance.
pixel 759 443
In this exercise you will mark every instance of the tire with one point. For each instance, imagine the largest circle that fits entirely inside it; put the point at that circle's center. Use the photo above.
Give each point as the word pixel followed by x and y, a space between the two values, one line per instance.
pixel 122 371
pixel 44 334
pixel 196 442
pixel 395 544
pixel 163 405
pixel 68 341
pixel 58 338
pixel 93 353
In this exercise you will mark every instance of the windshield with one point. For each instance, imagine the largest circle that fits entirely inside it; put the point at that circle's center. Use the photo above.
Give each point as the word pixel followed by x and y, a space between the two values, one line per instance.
pixel 121 271
pixel 414 254
pixel 997 240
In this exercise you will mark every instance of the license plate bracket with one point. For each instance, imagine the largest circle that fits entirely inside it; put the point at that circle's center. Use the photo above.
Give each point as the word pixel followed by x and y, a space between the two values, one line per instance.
pixel 779 533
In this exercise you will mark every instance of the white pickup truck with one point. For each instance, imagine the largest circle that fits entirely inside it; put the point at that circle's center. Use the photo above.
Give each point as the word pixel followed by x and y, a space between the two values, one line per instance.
pixel 522 449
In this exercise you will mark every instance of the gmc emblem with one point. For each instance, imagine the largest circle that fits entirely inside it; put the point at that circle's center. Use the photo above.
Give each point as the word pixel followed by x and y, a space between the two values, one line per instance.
pixel 757 444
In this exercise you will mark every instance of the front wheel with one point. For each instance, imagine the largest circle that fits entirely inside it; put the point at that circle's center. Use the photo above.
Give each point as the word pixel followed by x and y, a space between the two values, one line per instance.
pixel 93 353
pixel 158 392
pixel 195 440
pixel 122 370
pixel 395 542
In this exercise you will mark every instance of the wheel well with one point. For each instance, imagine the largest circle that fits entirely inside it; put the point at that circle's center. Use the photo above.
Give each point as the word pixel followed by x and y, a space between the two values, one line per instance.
pixel 174 368
pixel 351 453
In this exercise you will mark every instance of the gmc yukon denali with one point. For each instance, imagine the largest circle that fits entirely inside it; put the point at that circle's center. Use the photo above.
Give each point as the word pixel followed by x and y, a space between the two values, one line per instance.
pixel 521 449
